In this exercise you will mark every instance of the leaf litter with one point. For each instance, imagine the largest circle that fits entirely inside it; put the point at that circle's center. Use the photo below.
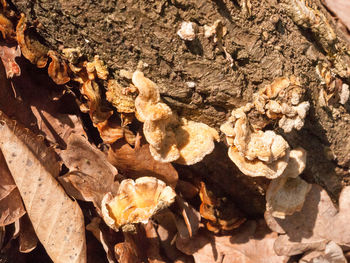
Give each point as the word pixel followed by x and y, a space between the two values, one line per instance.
pixel 183 232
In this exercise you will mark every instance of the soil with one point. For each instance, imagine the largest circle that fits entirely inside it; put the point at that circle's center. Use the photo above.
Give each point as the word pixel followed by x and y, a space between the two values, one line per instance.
pixel 263 46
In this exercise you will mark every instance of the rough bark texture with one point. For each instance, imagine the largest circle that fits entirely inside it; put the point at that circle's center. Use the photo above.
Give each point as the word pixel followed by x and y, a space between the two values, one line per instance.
pixel 264 46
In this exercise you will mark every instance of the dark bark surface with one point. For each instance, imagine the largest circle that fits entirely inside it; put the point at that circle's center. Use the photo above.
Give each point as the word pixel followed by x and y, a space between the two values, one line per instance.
pixel 264 45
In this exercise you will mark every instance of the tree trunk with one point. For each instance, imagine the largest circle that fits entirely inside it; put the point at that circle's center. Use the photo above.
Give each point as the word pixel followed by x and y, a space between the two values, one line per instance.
pixel 204 79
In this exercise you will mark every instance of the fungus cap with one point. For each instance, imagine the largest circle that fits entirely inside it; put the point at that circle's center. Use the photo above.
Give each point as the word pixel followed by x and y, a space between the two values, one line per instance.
pixel 286 195
pixel 136 202
pixel 257 167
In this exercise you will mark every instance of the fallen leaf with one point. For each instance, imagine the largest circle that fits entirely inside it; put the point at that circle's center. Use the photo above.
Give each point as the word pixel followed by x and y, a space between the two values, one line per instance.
pixel 341 9
pixel 331 254
pixel 138 162
pixel 167 232
pixel 91 175
pixel 153 248
pixel 57 220
pixel 27 237
pixel 7 185
pixel 2 236
pixel 11 206
pixel 105 236
pixel 125 253
pixel 56 126
pixel 8 56
pixel 315 225
pixel 191 217
pixel 251 243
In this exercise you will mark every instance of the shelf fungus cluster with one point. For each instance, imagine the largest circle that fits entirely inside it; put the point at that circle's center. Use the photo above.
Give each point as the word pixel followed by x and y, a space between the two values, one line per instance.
pixel 282 100
pixel 171 138
pixel 265 153
pixel 136 202
pixel 286 194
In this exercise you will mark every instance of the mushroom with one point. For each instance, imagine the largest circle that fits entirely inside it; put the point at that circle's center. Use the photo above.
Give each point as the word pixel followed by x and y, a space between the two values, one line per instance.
pixel 286 194
pixel 136 202
pixel 282 100
pixel 171 138
pixel 256 153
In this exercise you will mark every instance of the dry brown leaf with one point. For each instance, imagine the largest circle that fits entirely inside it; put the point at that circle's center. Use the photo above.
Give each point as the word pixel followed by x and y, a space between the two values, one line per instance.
pixel 191 218
pixel 126 253
pixel 138 162
pixel 27 237
pixel 331 254
pixel 341 9
pixel 57 220
pixel 8 56
pixel 251 243
pixel 141 246
pixel 7 185
pixel 11 206
pixel 315 225
pixel 91 175
pixel 2 236
pixel 105 236
pixel 153 249
pixel 56 126
pixel 167 232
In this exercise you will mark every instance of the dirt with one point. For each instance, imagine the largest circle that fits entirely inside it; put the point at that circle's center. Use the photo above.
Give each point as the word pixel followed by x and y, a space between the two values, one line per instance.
pixel 263 46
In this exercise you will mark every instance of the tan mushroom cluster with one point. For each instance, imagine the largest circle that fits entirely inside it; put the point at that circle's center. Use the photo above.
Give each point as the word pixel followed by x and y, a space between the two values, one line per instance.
pixel 255 152
pixel 264 153
pixel 282 100
pixel 286 194
pixel 171 138
pixel 136 202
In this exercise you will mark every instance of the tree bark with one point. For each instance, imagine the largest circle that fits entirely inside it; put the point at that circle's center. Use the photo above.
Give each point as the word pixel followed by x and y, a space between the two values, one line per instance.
pixel 203 80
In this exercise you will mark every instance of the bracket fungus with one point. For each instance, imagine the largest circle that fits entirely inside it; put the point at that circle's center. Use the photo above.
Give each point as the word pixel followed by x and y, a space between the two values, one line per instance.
pixel 171 138
pixel 282 100
pixel 286 194
pixel 264 153
pixel 256 153
pixel 136 202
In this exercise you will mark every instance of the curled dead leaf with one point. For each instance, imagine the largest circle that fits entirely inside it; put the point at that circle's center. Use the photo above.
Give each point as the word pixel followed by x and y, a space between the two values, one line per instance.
pixel 11 206
pixel 57 69
pixel 8 56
